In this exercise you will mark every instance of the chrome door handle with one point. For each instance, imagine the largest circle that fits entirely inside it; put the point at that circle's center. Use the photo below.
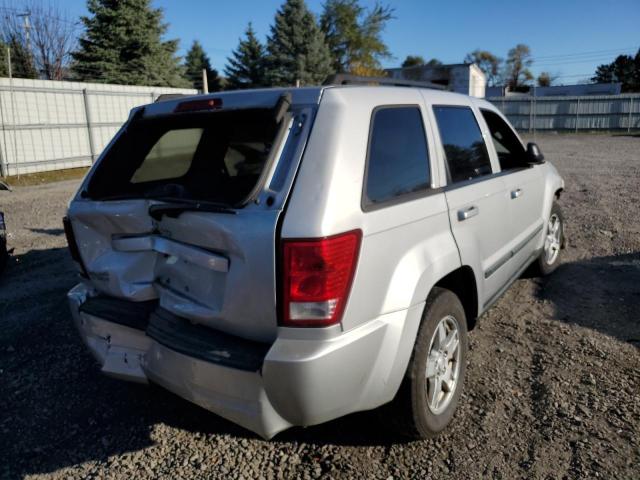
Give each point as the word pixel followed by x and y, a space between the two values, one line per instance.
pixel 516 193
pixel 468 212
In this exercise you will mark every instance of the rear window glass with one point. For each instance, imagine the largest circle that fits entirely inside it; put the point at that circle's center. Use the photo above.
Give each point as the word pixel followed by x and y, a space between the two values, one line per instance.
pixel 217 157
pixel 465 150
pixel 398 161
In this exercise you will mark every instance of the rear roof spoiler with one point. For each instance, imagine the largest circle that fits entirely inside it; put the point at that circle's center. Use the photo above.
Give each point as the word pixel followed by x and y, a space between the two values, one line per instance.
pixel 171 96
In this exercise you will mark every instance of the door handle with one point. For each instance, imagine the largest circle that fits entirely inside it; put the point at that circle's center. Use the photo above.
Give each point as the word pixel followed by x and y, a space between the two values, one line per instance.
pixel 468 212
pixel 516 193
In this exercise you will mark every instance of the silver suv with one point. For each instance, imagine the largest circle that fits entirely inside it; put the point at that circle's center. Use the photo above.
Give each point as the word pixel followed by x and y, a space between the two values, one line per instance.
pixel 284 257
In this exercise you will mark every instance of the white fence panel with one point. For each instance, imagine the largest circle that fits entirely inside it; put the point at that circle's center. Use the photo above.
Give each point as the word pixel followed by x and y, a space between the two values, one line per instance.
pixel 601 112
pixel 48 125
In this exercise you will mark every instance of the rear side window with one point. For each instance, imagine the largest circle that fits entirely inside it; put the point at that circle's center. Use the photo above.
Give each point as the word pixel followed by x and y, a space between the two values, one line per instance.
pixel 398 159
pixel 217 157
pixel 464 147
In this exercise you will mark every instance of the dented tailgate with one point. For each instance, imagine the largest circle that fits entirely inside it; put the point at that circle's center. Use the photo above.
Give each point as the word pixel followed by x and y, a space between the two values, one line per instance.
pixel 214 268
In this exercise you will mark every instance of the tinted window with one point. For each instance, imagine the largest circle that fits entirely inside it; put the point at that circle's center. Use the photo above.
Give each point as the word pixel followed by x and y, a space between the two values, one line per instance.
pixel 510 151
pixel 398 161
pixel 170 157
pixel 464 147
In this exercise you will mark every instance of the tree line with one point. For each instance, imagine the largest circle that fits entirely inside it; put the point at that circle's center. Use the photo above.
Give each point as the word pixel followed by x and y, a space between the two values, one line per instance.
pixel 123 42
pixel 515 73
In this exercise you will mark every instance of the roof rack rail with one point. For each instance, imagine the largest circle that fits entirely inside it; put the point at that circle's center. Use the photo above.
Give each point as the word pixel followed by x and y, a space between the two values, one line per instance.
pixel 347 79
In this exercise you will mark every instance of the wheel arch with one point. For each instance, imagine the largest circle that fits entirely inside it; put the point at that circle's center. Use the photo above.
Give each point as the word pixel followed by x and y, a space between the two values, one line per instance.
pixel 462 282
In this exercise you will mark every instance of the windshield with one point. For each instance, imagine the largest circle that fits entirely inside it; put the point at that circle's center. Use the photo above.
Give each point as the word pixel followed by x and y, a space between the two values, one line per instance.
pixel 216 157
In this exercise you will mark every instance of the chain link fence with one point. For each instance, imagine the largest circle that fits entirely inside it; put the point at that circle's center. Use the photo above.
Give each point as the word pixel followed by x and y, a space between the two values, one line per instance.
pixel 48 125
pixel 574 114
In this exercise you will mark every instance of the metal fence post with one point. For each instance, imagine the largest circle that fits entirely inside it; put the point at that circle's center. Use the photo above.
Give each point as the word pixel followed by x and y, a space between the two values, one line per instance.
pixel 3 163
pixel 630 110
pixel 577 113
pixel 3 169
pixel 87 113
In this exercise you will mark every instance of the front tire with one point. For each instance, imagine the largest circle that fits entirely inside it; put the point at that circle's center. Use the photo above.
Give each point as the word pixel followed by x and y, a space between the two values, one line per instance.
pixel 429 395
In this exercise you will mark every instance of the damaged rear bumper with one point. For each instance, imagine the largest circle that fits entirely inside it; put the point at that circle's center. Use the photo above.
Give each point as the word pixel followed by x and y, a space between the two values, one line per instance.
pixel 297 382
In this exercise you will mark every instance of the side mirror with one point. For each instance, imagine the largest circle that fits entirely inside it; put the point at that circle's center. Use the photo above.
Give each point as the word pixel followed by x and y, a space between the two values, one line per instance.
pixel 534 155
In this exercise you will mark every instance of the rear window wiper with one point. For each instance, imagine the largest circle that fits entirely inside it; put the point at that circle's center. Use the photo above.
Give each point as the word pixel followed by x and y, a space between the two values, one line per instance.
pixel 174 210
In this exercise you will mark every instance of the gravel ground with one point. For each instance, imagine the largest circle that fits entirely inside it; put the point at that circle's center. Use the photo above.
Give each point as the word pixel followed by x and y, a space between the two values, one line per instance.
pixel 552 384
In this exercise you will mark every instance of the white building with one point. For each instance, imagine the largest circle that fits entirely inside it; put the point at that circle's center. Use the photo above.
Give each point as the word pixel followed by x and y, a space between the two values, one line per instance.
pixel 464 78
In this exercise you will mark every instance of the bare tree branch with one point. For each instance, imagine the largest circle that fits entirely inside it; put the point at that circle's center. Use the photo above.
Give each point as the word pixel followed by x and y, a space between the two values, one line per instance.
pixel 51 36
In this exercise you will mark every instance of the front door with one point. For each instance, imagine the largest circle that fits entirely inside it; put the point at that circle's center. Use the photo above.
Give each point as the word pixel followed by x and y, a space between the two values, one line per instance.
pixel 525 189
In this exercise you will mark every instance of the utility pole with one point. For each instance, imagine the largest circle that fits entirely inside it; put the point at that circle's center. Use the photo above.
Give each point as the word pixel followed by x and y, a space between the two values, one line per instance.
pixel 26 24
pixel 205 81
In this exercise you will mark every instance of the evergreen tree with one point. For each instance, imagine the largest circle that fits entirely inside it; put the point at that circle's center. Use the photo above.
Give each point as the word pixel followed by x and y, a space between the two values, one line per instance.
pixel 122 44
pixel 354 35
pixel 296 48
pixel 246 66
pixel 22 64
pixel 3 59
pixel 624 69
pixel 194 62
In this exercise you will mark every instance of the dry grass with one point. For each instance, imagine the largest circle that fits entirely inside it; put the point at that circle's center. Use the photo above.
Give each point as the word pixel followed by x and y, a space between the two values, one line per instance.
pixel 44 177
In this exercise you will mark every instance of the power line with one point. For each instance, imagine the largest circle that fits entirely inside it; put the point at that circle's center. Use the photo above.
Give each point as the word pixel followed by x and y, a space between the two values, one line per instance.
pixel 18 13
pixel 608 51
pixel 575 75
pixel 567 62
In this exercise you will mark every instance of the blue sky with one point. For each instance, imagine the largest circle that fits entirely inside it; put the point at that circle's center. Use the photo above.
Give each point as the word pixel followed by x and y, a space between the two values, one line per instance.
pixel 567 37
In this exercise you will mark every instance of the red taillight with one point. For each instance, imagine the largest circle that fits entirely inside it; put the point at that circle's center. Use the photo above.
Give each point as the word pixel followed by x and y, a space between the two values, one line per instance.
pixel 73 246
pixel 317 276
pixel 197 105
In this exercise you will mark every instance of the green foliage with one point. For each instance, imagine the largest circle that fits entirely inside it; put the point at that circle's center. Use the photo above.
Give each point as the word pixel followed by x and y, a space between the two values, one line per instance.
pixel 122 44
pixel 517 67
pixel 3 59
pixel 22 64
pixel 296 48
pixel 488 63
pixel 194 62
pixel 246 66
pixel 624 69
pixel 545 79
pixel 413 61
pixel 354 34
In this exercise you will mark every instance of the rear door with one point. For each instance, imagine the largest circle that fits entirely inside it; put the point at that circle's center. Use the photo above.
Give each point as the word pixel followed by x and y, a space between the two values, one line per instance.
pixel 478 213
pixel 524 186
pixel 183 208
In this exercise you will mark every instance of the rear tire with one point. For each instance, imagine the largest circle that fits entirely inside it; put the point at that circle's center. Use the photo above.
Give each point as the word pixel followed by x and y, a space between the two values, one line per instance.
pixel 549 258
pixel 429 394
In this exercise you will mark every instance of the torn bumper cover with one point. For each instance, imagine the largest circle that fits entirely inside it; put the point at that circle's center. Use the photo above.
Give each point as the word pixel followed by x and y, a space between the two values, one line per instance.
pixel 264 388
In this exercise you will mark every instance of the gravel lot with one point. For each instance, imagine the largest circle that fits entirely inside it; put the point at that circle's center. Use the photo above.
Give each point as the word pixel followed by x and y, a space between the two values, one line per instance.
pixel 552 385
